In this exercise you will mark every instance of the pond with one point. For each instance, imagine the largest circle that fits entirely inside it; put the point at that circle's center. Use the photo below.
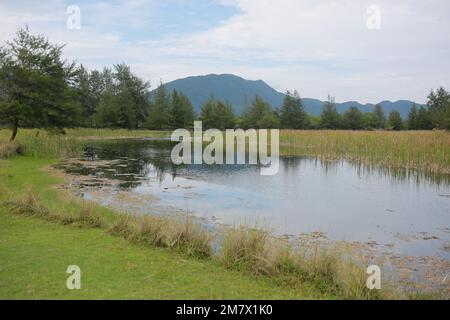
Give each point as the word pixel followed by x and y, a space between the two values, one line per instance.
pixel 403 212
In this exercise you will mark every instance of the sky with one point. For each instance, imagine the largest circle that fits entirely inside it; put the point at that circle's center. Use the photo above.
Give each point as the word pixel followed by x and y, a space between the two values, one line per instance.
pixel 354 50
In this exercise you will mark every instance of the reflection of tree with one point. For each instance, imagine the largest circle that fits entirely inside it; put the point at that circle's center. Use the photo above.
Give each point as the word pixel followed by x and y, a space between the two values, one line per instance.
pixel 135 160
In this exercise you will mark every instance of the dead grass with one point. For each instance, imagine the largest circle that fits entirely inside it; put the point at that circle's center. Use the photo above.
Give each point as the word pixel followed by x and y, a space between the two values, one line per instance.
pixel 10 149
pixel 169 232
pixel 254 251
pixel 29 204
pixel 90 218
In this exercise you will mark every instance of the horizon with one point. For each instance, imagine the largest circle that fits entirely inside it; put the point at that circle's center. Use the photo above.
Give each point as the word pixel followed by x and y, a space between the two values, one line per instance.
pixel 401 58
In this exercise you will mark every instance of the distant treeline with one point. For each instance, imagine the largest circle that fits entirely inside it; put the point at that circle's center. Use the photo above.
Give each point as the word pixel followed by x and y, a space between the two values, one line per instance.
pixel 39 89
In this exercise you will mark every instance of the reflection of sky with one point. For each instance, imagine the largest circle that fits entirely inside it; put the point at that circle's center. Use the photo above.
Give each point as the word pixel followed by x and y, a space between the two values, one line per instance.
pixel 343 200
pixel 306 197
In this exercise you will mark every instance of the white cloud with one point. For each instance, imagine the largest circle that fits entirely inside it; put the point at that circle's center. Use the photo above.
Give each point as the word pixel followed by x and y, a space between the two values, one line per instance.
pixel 314 46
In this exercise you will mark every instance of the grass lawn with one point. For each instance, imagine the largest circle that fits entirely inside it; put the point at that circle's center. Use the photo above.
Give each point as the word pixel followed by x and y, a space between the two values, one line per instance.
pixel 34 256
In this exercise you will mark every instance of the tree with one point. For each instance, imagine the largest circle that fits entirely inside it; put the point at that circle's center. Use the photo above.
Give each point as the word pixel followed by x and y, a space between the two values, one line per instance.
pixel 381 119
pixel 224 113
pixel 133 94
pixel 293 115
pixel 330 118
pixel 108 114
pixel 36 85
pixel 424 121
pixel 353 119
pixel 412 121
pixel 395 121
pixel 158 117
pixel 259 115
pixel 217 114
pixel 89 86
pixel 181 111
pixel 369 120
pixel 439 108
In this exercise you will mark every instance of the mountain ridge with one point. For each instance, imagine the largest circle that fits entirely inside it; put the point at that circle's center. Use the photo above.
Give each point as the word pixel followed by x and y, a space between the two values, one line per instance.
pixel 239 91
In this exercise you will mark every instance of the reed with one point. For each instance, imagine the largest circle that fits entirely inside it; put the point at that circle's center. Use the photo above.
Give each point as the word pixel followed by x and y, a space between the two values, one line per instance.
pixel 427 151
pixel 418 150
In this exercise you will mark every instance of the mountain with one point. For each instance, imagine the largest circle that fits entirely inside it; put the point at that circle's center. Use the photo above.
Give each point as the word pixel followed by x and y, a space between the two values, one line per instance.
pixel 226 87
pixel 238 91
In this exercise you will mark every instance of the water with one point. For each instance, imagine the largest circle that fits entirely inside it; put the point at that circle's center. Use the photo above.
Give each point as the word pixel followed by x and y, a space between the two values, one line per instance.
pixel 403 212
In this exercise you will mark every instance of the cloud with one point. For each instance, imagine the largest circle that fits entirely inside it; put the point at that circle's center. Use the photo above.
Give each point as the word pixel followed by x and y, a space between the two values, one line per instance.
pixel 314 46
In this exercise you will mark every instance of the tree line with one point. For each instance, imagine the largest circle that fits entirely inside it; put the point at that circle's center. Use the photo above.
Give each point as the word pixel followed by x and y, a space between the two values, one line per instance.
pixel 39 89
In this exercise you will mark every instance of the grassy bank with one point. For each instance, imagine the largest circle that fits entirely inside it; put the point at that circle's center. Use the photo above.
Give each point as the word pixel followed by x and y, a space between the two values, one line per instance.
pixel 35 252
pixel 428 151
pixel 44 229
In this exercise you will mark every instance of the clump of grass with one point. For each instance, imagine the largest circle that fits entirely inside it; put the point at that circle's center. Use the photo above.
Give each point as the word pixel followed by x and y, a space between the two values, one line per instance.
pixel 169 232
pixel 10 149
pixel 125 226
pixel 148 230
pixel 243 247
pixel 254 251
pixel 28 204
pixel 185 233
pixel 90 218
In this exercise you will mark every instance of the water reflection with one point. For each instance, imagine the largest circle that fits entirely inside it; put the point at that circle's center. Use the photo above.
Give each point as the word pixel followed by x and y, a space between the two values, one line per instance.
pixel 138 154
pixel 400 209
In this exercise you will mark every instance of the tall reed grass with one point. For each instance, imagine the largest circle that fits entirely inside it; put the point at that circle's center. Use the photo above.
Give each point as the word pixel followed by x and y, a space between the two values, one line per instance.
pixel 418 150
pixel 40 143
pixel 427 151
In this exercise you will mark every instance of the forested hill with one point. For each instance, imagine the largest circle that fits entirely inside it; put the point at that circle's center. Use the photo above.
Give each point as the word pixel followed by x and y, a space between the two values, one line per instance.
pixel 225 87
pixel 237 91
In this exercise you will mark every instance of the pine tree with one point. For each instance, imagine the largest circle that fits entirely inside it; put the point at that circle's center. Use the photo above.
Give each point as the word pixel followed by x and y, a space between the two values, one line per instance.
pixel 353 119
pixel 381 119
pixel 330 118
pixel 395 121
pixel 158 117
pixel 217 114
pixel 292 114
pixel 412 121
pixel 424 121
pixel 36 85
pixel 439 108
pixel 181 111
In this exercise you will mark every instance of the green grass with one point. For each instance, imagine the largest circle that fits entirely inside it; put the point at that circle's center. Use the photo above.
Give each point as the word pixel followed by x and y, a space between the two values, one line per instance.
pixel 35 253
